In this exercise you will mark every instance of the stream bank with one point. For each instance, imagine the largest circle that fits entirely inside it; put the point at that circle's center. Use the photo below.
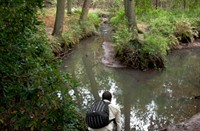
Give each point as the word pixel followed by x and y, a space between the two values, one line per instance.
pixel 109 59
pixel 149 100
pixel 192 124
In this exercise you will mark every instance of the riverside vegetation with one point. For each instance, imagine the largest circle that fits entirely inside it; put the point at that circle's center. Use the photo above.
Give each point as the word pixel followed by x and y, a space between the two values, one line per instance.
pixel 34 92
pixel 73 31
pixel 162 31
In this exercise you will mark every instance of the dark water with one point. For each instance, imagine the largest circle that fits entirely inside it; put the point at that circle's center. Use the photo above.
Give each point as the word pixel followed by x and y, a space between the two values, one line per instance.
pixel 148 100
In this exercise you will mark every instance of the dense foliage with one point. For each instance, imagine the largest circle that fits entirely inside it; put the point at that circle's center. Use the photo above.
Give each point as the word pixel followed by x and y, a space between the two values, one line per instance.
pixel 160 31
pixel 79 31
pixel 33 92
pixel 73 32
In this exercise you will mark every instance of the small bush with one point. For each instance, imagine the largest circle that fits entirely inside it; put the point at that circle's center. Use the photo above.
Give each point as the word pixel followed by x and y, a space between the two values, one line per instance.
pixel 173 42
pixel 185 32
pixel 163 25
pixel 94 19
pixel 72 35
pixel 122 35
pixel 155 44
pixel 119 19
pixel 121 38
pixel 55 44
pixel 75 32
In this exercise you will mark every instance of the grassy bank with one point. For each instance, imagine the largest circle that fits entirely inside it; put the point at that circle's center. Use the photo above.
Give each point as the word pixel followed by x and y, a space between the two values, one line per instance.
pixel 73 32
pixel 160 31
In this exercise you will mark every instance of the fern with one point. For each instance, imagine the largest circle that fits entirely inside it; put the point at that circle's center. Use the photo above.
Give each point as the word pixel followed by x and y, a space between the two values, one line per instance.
pixel 185 31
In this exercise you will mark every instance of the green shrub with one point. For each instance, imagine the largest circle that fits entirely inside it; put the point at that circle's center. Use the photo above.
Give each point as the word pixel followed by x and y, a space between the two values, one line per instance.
pixel 155 44
pixel 121 39
pixel 72 35
pixel 55 44
pixel 94 19
pixel 163 25
pixel 153 14
pixel 33 91
pixel 76 31
pixel 122 35
pixel 166 29
pixel 119 19
pixel 76 10
pixel 140 54
pixel 185 32
pixel 90 26
pixel 173 42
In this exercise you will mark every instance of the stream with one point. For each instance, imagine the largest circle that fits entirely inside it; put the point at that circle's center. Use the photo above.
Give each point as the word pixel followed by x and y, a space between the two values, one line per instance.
pixel 148 100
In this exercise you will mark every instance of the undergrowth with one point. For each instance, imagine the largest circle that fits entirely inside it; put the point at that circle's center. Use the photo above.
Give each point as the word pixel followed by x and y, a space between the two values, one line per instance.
pixel 166 29
pixel 73 31
pixel 33 91
pixel 76 32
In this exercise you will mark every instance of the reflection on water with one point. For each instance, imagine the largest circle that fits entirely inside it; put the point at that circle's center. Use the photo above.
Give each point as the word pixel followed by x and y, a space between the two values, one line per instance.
pixel 148 100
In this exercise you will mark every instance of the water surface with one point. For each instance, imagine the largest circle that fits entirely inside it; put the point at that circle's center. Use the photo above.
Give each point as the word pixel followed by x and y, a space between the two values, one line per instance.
pixel 148 100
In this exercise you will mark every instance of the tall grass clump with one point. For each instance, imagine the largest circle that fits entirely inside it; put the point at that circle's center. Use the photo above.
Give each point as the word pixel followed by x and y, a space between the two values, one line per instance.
pixel 73 34
pixel 185 32
pixel 76 31
pixel 121 39
pixel 122 35
pixel 156 45
pixel 119 19
pixel 162 26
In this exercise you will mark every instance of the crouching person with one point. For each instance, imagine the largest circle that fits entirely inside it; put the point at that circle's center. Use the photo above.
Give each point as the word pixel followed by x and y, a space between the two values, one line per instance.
pixel 103 115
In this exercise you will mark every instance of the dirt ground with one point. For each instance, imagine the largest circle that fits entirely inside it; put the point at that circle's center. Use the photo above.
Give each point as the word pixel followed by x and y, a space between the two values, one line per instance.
pixel 109 59
pixel 193 124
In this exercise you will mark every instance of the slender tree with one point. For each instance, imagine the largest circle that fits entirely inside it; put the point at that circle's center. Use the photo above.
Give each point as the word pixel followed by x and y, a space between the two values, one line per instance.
pixel 156 4
pixel 60 13
pixel 125 7
pixel 69 6
pixel 85 10
pixel 130 13
pixel 184 4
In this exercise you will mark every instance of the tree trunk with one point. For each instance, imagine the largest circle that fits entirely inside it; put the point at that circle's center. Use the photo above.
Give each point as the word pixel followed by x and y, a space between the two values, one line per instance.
pixel 69 6
pixel 79 3
pixel 60 12
pixel 85 10
pixel 131 14
pixel 184 4
pixel 156 4
pixel 125 7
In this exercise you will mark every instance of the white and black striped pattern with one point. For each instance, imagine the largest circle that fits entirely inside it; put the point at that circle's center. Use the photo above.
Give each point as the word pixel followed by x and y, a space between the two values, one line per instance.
pixel 98 115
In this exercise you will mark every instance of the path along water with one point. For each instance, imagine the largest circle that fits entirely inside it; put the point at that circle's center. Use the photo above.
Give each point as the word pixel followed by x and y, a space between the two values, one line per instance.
pixel 148 100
